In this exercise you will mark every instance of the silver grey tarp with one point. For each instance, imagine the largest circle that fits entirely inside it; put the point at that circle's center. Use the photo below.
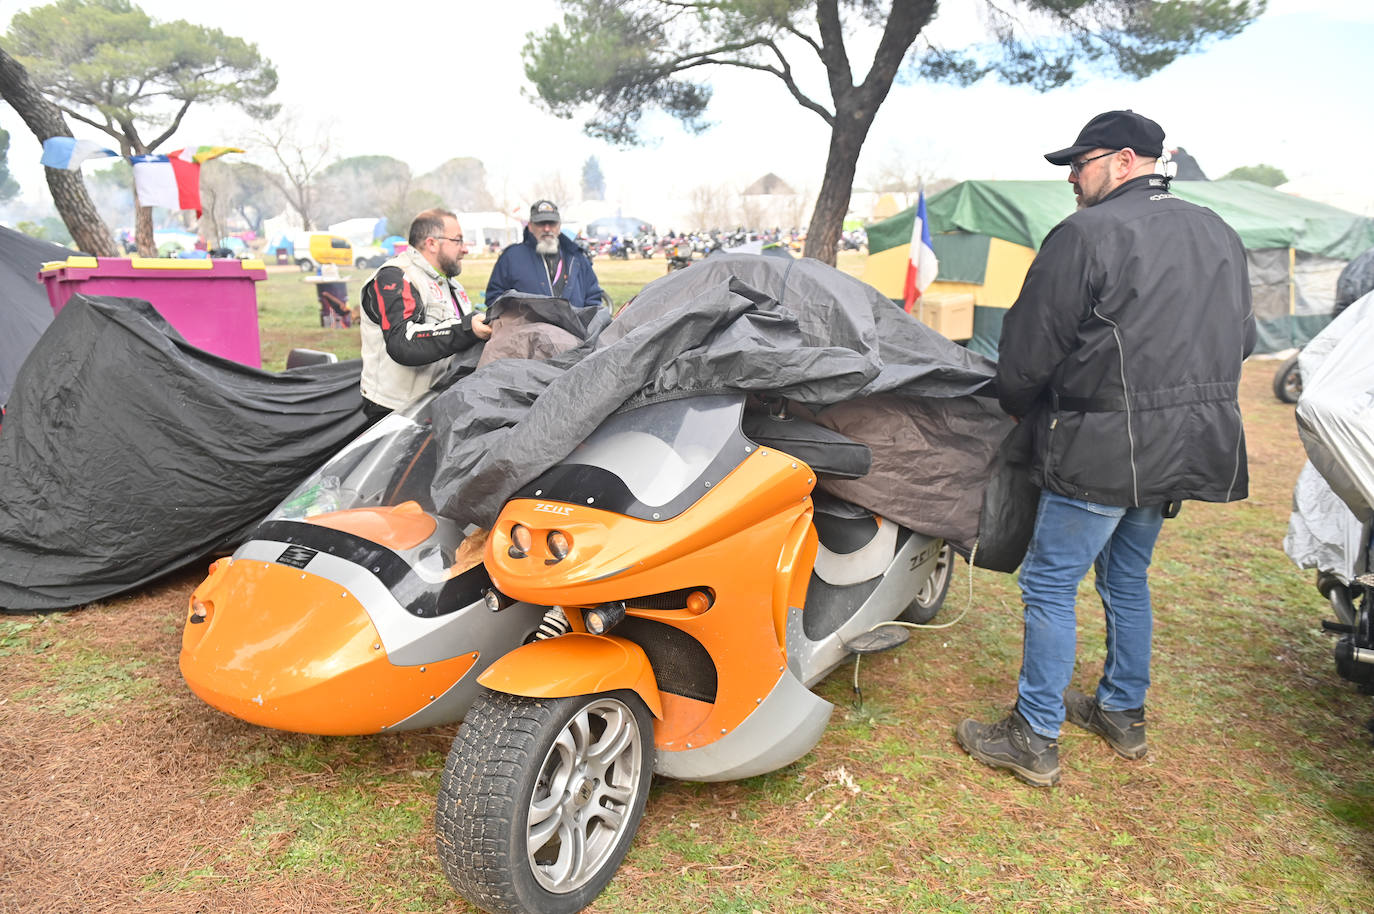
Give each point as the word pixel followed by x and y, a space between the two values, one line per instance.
pixel 1333 502
pixel 762 325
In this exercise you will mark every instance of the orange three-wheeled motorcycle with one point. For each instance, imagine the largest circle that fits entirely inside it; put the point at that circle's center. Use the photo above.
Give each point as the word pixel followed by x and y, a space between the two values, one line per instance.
pixel 699 586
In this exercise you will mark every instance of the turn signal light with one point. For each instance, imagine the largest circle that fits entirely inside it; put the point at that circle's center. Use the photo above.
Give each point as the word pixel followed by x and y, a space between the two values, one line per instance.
pixel 698 602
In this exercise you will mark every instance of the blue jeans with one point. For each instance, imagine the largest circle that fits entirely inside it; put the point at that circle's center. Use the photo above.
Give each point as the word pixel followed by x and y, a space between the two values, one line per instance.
pixel 1070 537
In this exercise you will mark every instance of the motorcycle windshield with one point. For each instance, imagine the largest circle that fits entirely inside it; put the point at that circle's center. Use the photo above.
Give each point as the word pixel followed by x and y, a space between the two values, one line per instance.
pixel 653 461
pixel 392 462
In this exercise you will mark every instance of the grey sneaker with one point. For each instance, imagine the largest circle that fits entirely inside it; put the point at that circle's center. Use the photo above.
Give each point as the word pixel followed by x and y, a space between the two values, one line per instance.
pixel 1124 731
pixel 1012 744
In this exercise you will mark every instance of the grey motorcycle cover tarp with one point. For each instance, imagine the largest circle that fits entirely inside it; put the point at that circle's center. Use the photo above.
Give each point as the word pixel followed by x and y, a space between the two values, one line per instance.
pixel 1333 501
pixel 127 453
pixel 796 329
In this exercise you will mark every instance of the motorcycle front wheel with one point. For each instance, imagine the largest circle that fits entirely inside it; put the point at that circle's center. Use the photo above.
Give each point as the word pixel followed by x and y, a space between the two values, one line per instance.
pixel 541 797
pixel 1288 381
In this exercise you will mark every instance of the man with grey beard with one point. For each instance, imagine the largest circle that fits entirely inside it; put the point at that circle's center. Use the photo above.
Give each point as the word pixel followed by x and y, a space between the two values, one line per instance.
pixel 546 262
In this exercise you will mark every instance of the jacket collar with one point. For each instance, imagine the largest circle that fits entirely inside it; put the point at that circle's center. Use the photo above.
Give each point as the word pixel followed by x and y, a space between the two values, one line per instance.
pixel 418 260
pixel 1143 182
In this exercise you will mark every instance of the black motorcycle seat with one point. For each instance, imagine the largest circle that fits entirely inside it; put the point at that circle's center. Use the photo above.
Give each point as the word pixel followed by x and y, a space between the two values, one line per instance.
pixel 823 449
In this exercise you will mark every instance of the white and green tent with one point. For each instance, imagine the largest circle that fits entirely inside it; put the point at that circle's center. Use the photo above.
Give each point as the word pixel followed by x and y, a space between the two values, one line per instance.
pixel 985 234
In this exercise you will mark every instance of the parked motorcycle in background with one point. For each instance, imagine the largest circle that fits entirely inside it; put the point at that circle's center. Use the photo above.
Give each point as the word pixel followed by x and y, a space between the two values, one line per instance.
pixel 679 254
pixel 1355 281
pixel 1333 501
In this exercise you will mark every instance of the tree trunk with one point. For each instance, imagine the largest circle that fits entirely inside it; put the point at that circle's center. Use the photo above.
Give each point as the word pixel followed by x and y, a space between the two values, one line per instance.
pixel 827 219
pixel 69 194
pixel 143 229
pixel 855 108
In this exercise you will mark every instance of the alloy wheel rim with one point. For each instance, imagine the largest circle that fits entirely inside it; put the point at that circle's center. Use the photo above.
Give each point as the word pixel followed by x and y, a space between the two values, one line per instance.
pixel 584 794
pixel 935 584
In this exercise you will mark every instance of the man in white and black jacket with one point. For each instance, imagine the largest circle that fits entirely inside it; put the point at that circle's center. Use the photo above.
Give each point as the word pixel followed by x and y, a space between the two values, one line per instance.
pixel 415 315
pixel 1123 354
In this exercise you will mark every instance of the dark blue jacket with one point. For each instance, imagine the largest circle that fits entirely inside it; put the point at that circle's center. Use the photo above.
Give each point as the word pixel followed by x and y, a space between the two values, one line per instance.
pixel 521 267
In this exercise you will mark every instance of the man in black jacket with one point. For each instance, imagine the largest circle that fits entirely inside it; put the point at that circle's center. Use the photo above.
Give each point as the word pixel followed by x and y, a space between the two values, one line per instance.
pixel 1122 355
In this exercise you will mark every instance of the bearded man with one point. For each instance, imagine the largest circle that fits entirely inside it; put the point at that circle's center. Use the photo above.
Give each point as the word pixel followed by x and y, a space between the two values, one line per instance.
pixel 1123 354
pixel 546 262
pixel 415 316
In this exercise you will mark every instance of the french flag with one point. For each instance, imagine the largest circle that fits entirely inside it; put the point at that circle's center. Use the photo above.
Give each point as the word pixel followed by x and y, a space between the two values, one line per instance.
pixel 171 181
pixel 922 265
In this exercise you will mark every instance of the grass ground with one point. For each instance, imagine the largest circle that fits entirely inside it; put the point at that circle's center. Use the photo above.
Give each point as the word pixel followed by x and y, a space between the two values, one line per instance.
pixel 122 792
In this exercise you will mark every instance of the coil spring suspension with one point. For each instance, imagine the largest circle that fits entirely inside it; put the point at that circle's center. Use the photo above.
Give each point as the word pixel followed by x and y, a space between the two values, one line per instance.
pixel 553 624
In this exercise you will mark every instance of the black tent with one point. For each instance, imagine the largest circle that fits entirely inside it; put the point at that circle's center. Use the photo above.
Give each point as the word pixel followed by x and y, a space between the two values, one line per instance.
pixel 26 310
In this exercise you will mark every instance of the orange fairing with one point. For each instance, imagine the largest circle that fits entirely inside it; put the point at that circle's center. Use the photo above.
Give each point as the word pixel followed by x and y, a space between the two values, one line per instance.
pixel 320 670
pixel 606 545
pixel 732 542
pixel 794 571
pixel 400 528
pixel 575 664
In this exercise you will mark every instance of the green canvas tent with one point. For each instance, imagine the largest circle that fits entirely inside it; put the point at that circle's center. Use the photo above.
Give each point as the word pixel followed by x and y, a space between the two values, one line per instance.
pixel 985 234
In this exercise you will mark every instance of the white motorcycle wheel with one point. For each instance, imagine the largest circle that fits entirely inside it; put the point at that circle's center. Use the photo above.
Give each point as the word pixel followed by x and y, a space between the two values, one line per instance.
pixel 932 594
pixel 541 797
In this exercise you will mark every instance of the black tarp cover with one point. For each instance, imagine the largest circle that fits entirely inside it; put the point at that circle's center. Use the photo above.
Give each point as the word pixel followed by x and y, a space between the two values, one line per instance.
pixel 127 453
pixel 25 310
pixel 798 329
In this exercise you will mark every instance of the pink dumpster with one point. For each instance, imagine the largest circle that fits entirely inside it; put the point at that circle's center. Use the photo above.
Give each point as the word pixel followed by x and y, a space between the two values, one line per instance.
pixel 212 303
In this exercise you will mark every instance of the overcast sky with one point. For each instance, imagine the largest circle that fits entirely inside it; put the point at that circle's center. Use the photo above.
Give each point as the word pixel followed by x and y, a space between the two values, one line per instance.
pixel 425 84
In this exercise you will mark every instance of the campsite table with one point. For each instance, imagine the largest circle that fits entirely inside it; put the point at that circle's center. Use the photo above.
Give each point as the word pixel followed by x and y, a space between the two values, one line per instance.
pixel 212 303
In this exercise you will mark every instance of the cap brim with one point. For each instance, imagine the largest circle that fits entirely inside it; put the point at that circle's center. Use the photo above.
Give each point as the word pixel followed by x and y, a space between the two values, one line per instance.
pixel 1065 156
pixel 540 219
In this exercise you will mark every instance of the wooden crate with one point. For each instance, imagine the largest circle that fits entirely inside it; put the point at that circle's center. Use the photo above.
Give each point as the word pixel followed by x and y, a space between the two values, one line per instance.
pixel 949 314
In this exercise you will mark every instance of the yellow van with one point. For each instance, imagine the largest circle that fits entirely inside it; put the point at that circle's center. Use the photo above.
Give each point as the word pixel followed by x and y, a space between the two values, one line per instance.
pixel 314 249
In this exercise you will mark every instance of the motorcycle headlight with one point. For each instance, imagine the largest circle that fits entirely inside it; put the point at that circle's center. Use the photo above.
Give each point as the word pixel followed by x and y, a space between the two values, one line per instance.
pixel 601 619
pixel 559 545
pixel 521 541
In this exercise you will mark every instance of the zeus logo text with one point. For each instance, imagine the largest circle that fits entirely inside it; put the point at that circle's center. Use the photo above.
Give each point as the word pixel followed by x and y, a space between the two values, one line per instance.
pixel 547 508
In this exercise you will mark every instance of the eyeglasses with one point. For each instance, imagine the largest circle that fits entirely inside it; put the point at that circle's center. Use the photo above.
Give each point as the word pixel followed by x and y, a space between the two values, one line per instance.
pixel 1077 166
pixel 458 240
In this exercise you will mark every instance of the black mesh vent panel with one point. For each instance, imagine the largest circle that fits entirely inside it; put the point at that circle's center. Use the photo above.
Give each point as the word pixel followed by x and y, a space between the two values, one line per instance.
pixel 681 665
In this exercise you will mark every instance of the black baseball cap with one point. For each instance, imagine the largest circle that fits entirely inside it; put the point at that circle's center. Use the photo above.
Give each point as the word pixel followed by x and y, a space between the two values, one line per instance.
pixel 1114 130
pixel 544 211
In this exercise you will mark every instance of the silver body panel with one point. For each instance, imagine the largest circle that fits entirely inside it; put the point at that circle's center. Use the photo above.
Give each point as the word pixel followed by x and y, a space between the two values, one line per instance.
pixel 784 727
pixel 810 661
